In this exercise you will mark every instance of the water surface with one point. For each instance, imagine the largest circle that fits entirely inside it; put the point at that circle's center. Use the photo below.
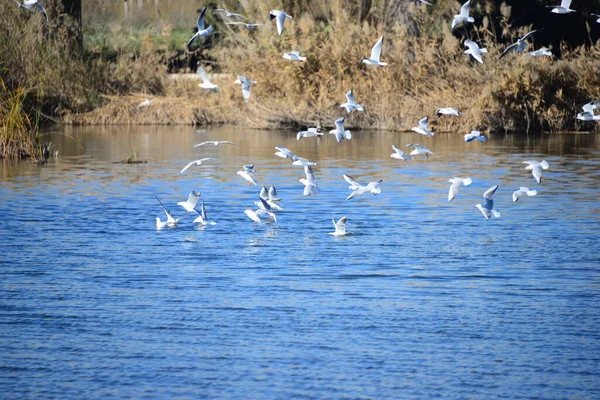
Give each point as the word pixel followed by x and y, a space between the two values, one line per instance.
pixel 426 298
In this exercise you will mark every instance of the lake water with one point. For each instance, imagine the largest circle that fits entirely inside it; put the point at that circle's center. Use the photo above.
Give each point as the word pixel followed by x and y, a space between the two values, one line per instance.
pixel 424 299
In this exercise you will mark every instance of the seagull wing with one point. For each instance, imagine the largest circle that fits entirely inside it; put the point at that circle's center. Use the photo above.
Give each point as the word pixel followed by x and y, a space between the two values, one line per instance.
pixel 350 97
pixel 464 9
pixel 339 124
pixel 203 75
pixel 187 166
pixel 423 123
pixel 200 21
pixel 280 20
pixel 246 91
pixel 169 216
pixel 310 175
pixel 376 50
pixel 509 49
pixel 352 181
pixel 527 36
pixel 489 194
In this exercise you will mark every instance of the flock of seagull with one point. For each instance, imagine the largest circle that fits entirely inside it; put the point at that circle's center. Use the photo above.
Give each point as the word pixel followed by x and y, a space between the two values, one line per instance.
pixel 268 203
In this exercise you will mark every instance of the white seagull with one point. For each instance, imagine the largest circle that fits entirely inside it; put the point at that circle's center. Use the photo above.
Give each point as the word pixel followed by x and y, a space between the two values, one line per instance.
pixel 448 111
pixel 588 116
pixel 359 190
pixel 340 226
pixel 294 56
pixel 206 83
pixel 422 128
pixel 310 132
pixel 213 142
pixel 228 14
pixel 145 103
pixel 463 16
pixel 202 30
pixel 536 169
pixel 487 209
pixel 563 8
pixel 265 208
pixel 303 162
pixel 246 86
pixel 544 51
pixel 248 26
pixel 279 17
pixel 269 197
pixel 400 155
pixel 253 215
pixel 351 104
pixel 419 150
pixel 285 153
pixel 310 185
pixel 474 50
pixel 189 205
pixel 248 173
pixel 33 5
pixel 202 218
pixel 474 135
pixel 591 106
pixel 375 55
pixel 339 132
pixel 456 184
pixel 170 222
pixel 519 45
pixel 522 192
pixel 196 162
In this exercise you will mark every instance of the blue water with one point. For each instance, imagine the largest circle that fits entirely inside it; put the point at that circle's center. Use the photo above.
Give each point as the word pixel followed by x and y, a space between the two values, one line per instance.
pixel 424 299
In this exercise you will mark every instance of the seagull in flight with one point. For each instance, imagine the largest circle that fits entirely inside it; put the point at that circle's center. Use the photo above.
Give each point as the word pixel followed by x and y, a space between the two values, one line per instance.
pixel 279 17
pixel 310 184
pixel 206 83
pixel 189 205
pixel 170 222
pixel 246 86
pixel 294 56
pixel 270 196
pixel 340 226
pixel 447 111
pixel 519 45
pixel 248 26
pixel 359 190
pixel 400 155
pixel 422 128
pixel 474 135
pixel 419 150
pixel 196 162
pixel 588 116
pixel 351 104
pixel 310 132
pixel 339 132
pixel 283 152
pixel 33 5
pixel 544 51
pixel 253 215
pixel 266 208
pixel 536 169
pixel 303 162
pixel 248 173
pixel 522 192
pixel 487 209
pixel 463 16
pixel 456 184
pixel 213 142
pixel 228 14
pixel 474 50
pixel 202 30
pixel 564 7
pixel 375 55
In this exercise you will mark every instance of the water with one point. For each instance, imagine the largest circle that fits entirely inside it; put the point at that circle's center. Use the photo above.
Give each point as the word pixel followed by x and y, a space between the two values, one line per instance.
pixel 424 299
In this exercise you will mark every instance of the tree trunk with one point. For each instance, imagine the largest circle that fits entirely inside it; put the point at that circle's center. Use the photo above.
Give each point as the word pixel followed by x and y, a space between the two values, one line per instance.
pixel 73 9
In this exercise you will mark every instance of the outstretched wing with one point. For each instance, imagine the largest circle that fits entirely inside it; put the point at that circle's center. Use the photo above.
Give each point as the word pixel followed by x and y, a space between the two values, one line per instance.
pixel 489 194
pixel 200 21
pixel 464 9
pixel 376 50
pixel 339 124
pixel 350 97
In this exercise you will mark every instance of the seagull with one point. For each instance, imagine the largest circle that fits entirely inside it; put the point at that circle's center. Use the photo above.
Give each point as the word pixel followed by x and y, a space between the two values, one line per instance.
pixel 597 16
pixel 422 128
pixel 350 104
pixel 33 5
pixel 248 26
pixel 375 54
pixel 215 142
pixel 474 135
pixel 536 169
pixel 201 218
pixel 269 197
pixel 522 192
pixel 170 222
pixel 400 155
pixel 474 50
pixel 279 17
pixel 285 153
pixel 265 208
pixel 340 226
pixel 202 31
pixel 419 149
pixel 488 206
pixel 310 185
pixel 196 162
pixel 463 16
pixel 311 132
pixel 519 45
pixel 456 183
pixel 145 103
pixel 294 56
pixel 544 51
pixel 339 132
pixel 206 83
pixel 253 215
pixel 591 106
pixel 359 190
pixel 248 173
pixel 588 116
pixel 448 111
pixel 563 8
pixel 229 14
pixel 189 205
pixel 246 86
pixel 303 162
